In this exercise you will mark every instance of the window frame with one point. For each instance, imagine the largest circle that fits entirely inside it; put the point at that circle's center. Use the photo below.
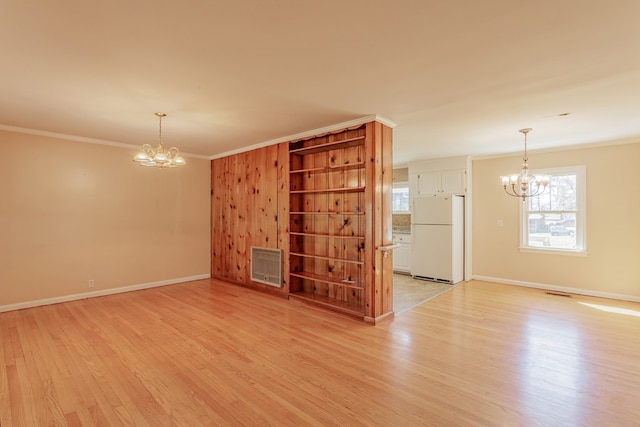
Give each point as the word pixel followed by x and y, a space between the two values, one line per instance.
pixel 401 184
pixel 580 172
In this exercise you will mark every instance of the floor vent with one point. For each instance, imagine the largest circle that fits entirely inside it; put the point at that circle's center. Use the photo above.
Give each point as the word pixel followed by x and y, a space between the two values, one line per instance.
pixel 558 294
pixel 266 266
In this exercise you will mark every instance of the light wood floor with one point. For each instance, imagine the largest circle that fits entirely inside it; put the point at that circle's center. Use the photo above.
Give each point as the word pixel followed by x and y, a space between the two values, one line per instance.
pixel 206 353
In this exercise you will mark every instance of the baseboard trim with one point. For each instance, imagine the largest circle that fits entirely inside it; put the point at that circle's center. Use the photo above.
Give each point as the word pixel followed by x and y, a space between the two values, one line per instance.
pixel 566 289
pixel 101 293
pixel 376 320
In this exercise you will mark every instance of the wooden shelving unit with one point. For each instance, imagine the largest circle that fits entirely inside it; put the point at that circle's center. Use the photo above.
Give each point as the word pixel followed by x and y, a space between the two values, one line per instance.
pixel 330 190
pixel 332 221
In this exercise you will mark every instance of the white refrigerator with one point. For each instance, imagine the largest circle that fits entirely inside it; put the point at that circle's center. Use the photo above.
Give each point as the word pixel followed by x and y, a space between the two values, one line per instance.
pixel 438 238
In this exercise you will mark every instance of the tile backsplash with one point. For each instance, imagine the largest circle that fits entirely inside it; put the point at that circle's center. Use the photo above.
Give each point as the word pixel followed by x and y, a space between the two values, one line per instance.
pixel 401 220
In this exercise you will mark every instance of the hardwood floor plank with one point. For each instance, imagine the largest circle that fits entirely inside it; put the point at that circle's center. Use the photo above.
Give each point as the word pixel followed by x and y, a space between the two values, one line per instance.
pixel 210 353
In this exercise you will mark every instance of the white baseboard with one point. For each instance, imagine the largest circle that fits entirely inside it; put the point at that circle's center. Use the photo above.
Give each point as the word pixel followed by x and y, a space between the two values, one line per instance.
pixel 569 290
pixel 111 291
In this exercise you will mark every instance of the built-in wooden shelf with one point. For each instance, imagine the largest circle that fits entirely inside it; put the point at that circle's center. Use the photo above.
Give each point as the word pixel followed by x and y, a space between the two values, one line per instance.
pixel 330 190
pixel 331 237
pixel 351 284
pixel 328 213
pixel 328 258
pixel 338 236
pixel 325 169
pixel 329 303
pixel 345 143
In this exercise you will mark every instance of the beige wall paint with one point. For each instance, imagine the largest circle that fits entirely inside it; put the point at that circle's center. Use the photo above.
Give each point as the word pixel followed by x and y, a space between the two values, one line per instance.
pixel 71 212
pixel 613 230
pixel 401 175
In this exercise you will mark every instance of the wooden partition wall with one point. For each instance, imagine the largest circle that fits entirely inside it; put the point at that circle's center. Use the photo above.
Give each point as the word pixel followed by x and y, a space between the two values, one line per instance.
pixel 247 190
pixel 325 201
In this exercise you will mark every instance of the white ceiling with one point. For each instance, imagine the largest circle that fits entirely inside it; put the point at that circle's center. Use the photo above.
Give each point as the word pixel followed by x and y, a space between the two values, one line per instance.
pixel 458 77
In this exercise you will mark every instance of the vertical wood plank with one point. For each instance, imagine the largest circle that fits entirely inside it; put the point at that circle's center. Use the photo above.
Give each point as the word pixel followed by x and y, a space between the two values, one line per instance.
pixel 370 245
pixel 282 212
pixel 252 209
pixel 232 183
pixel 216 218
pixel 269 198
pixel 387 225
pixel 378 221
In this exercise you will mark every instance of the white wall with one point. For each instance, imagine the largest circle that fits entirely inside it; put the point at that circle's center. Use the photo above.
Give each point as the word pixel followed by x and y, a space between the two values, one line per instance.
pixel 72 212
pixel 612 265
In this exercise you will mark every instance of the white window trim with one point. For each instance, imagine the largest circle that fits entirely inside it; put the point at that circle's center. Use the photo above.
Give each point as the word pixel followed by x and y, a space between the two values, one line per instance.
pixel 581 214
pixel 403 184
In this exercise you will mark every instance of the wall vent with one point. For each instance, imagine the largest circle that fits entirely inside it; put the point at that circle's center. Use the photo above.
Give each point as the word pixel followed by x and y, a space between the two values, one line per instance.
pixel 266 266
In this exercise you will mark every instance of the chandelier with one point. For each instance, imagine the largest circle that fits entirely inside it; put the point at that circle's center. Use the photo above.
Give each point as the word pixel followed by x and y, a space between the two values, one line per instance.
pixel 522 185
pixel 159 157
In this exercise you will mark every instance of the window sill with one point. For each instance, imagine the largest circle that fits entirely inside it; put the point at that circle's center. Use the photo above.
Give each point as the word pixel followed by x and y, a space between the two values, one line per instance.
pixel 569 252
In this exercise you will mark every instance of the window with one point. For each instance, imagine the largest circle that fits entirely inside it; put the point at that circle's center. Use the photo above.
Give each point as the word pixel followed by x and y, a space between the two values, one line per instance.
pixel 556 219
pixel 400 201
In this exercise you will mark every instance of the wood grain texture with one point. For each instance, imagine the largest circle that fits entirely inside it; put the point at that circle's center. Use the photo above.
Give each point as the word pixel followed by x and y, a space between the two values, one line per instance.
pixel 246 196
pixel 282 209
pixel 210 353
pixel 339 215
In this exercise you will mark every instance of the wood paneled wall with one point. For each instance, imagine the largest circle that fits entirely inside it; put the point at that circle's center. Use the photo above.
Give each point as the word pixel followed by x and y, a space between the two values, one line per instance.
pixel 249 207
pixel 250 204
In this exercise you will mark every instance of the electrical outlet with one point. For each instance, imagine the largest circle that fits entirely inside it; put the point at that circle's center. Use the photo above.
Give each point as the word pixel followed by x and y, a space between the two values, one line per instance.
pixel 91 283
pixel 500 223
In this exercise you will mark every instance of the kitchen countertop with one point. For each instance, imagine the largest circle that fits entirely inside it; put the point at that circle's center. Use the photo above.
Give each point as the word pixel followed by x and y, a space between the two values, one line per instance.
pixel 401 230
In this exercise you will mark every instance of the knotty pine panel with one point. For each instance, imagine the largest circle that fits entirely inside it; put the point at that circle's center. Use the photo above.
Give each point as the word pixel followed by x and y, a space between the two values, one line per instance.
pixel 281 209
pixel 242 207
pixel 218 198
pixel 246 210
pixel 339 191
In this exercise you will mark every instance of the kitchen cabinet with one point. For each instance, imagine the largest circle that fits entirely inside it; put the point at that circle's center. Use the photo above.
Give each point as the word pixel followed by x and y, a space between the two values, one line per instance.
pixel 402 254
pixel 441 182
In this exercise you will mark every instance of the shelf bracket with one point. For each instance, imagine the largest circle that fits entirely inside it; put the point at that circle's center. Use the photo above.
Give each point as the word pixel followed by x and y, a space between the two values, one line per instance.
pixel 386 248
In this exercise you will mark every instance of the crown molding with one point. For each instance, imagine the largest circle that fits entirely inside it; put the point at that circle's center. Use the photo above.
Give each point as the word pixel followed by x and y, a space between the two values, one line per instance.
pixel 310 133
pixel 585 146
pixel 83 139
pixel 302 135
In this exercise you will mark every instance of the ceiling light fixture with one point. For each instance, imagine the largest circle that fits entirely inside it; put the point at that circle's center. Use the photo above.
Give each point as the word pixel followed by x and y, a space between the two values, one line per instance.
pixel 524 182
pixel 159 157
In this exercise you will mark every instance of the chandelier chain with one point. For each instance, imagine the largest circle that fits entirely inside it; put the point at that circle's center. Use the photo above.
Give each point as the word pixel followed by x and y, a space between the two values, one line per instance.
pixel 160 115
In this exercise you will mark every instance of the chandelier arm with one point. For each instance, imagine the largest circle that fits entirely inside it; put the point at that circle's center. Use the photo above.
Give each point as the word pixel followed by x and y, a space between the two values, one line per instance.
pixel 539 190
pixel 172 152
pixel 507 191
pixel 513 191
